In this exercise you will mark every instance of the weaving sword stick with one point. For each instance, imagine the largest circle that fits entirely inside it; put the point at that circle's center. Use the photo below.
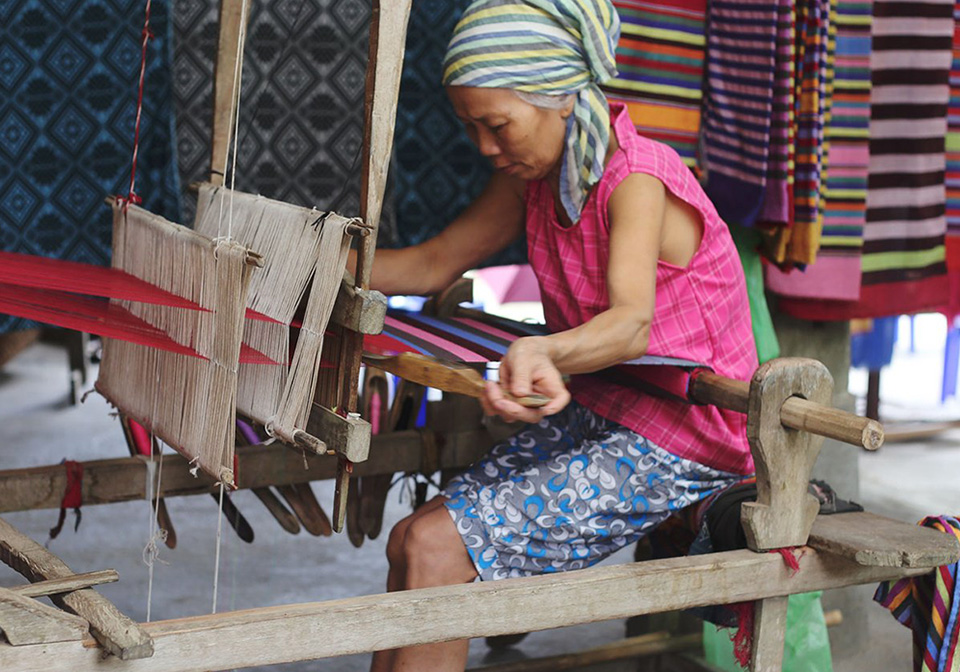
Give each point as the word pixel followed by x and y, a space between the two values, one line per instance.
pixel 188 402
pixel 305 254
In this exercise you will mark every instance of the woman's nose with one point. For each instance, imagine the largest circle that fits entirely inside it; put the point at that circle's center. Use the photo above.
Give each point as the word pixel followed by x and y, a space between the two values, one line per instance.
pixel 487 142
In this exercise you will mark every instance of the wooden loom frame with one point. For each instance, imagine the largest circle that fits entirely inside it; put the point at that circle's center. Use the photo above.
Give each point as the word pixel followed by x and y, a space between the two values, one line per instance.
pixel 837 554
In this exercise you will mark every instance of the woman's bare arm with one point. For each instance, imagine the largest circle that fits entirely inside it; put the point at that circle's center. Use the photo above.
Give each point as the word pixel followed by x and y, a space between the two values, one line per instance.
pixel 620 333
pixel 493 221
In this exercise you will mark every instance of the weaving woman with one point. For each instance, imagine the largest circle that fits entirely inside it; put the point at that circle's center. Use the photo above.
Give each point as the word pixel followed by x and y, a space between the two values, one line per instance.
pixel 631 258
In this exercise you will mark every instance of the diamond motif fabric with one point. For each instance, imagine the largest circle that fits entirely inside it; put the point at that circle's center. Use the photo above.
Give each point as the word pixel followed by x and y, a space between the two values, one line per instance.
pixel 68 85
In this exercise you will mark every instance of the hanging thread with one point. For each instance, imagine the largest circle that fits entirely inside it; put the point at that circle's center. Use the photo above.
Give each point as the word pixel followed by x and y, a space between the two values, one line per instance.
pixel 145 38
pixel 216 565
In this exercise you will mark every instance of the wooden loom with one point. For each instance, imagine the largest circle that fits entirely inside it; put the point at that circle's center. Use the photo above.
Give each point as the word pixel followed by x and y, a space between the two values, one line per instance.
pixel 784 403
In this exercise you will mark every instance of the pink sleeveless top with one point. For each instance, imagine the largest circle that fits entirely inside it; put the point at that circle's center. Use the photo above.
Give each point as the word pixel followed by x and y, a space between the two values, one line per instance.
pixel 702 313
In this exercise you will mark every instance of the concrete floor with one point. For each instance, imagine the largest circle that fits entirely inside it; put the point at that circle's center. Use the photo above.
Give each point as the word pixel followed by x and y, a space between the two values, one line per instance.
pixel 38 427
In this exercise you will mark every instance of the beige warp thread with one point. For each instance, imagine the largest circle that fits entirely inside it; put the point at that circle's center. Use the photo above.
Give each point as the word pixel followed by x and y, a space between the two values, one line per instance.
pixel 193 406
pixel 305 254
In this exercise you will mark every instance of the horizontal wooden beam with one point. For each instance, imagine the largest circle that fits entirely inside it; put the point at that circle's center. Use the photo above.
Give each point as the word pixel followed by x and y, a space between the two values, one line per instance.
pixel 118 635
pixel 66 584
pixel 124 479
pixel 361 624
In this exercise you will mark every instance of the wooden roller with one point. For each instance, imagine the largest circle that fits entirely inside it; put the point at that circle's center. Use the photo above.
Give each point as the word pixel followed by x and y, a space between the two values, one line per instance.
pixel 707 387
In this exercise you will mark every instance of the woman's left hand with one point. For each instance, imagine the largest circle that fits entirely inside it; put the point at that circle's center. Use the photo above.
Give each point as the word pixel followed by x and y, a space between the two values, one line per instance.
pixel 526 369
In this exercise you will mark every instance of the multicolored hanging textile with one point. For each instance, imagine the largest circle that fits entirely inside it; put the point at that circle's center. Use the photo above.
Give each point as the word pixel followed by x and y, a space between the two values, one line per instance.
pixel 836 271
pixel 813 88
pixel 903 254
pixel 738 100
pixel 68 85
pixel 930 606
pixel 778 193
pixel 660 60
pixel 953 174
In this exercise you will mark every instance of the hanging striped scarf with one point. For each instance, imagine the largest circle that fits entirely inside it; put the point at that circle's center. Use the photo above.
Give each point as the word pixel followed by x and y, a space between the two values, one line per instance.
pixel 553 47
pixel 836 273
pixel 903 261
pixel 929 606
pixel 738 105
pixel 660 70
pixel 953 173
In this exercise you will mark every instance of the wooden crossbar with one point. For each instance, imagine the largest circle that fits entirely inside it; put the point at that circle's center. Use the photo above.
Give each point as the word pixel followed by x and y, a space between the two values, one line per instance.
pixel 119 635
pixel 356 625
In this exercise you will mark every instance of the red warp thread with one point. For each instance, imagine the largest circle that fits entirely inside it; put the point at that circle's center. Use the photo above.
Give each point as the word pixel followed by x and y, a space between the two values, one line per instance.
pixel 72 496
pixel 789 559
pixel 25 270
pixel 743 637
pixel 146 35
pixel 96 316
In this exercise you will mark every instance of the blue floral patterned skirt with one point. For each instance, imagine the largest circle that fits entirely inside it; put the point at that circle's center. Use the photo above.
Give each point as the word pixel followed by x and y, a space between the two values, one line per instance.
pixel 567 492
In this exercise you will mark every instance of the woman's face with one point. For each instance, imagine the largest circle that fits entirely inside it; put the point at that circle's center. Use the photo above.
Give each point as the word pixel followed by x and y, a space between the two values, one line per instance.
pixel 518 138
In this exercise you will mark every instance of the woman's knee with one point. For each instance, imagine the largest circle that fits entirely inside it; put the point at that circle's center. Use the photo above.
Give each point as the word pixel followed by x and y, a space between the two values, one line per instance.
pixel 433 552
pixel 396 540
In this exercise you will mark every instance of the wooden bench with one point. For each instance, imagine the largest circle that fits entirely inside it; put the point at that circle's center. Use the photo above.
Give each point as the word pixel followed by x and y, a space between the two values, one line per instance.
pixel 840 550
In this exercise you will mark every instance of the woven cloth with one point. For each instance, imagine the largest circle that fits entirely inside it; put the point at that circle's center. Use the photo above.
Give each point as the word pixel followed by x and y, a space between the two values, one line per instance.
pixel 929 606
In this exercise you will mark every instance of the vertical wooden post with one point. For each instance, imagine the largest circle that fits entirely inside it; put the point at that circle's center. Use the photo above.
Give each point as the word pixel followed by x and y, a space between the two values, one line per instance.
pixel 388 35
pixel 769 628
pixel 784 511
pixel 233 18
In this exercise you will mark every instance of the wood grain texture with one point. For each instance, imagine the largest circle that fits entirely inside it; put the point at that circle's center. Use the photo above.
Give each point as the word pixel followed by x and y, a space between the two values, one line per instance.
pixel 872 540
pixel 769 629
pixel 123 479
pixel 26 621
pixel 66 584
pixel 388 35
pixel 797 413
pixel 784 511
pixel 232 19
pixel 361 624
pixel 119 635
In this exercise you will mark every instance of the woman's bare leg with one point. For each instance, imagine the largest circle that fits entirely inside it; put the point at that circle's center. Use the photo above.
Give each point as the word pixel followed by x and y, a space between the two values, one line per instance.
pixel 434 556
pixel 383 661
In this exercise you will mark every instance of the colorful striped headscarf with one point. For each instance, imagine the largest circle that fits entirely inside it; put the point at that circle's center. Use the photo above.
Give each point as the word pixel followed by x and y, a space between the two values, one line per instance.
pixel 554 47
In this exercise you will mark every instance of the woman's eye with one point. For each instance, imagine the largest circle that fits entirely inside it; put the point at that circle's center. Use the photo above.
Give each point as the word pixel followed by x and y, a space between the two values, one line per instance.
pixel 497 129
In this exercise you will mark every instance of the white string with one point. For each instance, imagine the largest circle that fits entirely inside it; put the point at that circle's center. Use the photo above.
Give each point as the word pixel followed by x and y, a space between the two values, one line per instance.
pixel 151 551
pixel 158 535
pixel 234 121
pixel 216 567
pixel 238 85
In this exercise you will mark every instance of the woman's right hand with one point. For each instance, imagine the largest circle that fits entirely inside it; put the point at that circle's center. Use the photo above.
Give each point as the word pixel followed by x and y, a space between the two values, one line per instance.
pixel 526 369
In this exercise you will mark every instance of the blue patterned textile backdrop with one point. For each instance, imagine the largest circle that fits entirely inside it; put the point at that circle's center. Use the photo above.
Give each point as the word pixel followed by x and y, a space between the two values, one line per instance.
pixel 301 112
pixel 69 71
pixel 437 170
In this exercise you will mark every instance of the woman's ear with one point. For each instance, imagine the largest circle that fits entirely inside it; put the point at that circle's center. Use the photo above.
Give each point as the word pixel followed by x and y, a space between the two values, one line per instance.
pixel 567 108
